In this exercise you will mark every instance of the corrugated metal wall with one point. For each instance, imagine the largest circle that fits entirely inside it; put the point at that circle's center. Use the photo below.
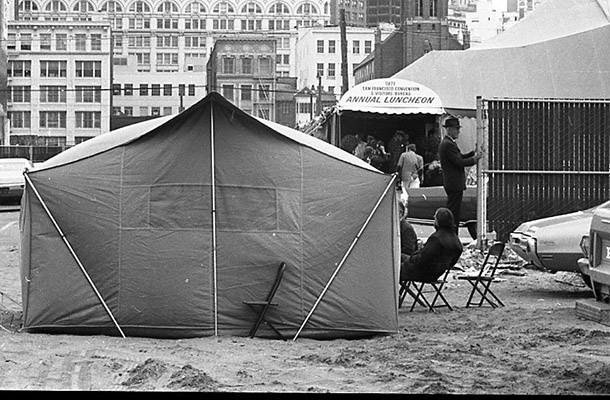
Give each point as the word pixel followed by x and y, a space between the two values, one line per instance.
pixel 546 157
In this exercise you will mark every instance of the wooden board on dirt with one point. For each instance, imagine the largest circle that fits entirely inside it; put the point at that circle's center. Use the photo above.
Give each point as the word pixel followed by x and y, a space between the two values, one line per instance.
pixel 593 310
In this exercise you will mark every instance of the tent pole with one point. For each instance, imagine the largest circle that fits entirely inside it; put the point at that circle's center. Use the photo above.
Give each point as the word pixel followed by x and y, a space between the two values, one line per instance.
pixel 80 265
pixel 213 159
pixel 347 253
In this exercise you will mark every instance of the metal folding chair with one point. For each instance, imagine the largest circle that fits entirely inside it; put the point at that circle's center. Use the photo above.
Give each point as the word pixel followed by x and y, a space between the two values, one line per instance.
pixel 415 289
pixel 481 282
pixel 261 307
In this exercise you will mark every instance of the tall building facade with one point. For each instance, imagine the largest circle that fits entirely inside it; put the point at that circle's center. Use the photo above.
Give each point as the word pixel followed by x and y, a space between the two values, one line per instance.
pixel 424 28
pixel 58 77
pixel 160 48
pixel 318 54
pixel 384 11
pixel 355 12
pixel 243 70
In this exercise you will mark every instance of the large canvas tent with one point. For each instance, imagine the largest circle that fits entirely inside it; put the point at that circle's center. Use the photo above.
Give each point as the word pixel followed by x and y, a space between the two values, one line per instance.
pixel 165 227
pixel 557 51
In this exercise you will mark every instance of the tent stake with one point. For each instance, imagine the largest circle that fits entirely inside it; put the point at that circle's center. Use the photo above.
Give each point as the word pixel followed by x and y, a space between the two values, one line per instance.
pixel 347 253
pixel 213 158
pixel 80 265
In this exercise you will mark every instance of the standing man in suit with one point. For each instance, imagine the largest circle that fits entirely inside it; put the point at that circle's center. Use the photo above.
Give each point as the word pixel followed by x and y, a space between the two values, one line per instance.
pixel 453 163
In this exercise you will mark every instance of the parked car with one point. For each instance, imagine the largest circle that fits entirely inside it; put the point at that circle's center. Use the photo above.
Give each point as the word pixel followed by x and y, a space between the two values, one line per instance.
pixel 554 243
pixel 424 201
pixel 595 245
pixel 11 178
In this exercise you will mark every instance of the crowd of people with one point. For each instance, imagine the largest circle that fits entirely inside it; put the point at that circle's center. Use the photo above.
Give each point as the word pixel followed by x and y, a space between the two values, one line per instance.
pixel 442 163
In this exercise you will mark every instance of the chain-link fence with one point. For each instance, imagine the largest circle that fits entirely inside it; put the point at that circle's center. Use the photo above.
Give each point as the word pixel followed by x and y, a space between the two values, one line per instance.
pixel 546 157
pixel 35 154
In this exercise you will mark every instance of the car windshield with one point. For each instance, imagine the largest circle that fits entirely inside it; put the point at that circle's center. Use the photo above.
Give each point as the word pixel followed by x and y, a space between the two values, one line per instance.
pixel 6 166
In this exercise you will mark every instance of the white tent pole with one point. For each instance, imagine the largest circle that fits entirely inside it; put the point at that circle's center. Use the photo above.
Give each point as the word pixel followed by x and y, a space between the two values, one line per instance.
pixel 213 156
pixel 347 253
pixel 80 265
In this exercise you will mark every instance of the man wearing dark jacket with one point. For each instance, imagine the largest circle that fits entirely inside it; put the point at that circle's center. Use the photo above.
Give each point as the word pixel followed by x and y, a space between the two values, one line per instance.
pixel 441 251
pixel 452 164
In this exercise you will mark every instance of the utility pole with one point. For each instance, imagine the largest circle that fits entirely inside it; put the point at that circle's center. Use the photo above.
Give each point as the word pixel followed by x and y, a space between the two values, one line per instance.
pixel 319 100
pixel 345 85
pixel 181 94
pixel 311 103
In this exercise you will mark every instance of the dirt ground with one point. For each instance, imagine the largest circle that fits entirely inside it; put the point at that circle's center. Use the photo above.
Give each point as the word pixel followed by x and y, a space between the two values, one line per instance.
pixel 534 345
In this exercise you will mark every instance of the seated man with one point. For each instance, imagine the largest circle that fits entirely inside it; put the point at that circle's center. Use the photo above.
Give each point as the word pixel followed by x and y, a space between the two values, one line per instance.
pixel 442 250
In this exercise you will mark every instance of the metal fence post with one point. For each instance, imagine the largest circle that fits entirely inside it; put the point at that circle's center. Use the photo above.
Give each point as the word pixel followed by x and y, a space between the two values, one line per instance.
pixel 483 148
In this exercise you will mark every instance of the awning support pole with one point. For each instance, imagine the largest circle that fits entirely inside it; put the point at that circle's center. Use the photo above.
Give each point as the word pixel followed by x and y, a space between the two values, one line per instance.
pixel 213 156
pixel 347 253
pixel 80 265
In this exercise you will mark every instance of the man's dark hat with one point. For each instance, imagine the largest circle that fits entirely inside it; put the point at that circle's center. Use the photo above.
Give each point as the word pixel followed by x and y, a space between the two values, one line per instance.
pixel 452 123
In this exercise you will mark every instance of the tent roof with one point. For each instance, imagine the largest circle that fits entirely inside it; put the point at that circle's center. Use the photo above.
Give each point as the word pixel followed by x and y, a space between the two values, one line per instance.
pixel 540 57
pixel 132 132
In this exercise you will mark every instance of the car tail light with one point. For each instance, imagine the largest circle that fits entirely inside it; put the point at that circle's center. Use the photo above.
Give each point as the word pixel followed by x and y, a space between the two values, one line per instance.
pixel 585 245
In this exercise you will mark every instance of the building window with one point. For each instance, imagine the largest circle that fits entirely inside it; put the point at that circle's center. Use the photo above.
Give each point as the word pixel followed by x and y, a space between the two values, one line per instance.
pixel 166 41
pixel 143 111
pixel 264 64
pixel 368 46
pixel 263 113
pixel 88 119
pixel 155 89
pixel 331 46
pixel 165 12
pixel 116 89
pixel 53 69
pixel 80 139
pixel 181 89
pixel 17 68
pixel 96 42
pixel 246 92
pixel 194 41
pixel 61 41
pixel 263 92
pixel 128 111
pixel 20 119
pixel 88 69
pixel 52 94
pixel 128 89
pixel 19 94
pixel 191 90
pixel 167 111
pixel 227 92
pixel 116 110
pixel 356 47
pixel 167 90
pixel 331 70
pixel 228 65
pixel 167 58
pixel 11 41
pixel 88 94
pixel 45 41
pixel 80 42
pixel 320 46
pixel 136 41
pixel 433 8
pixel 52 119
pixel 331 89
pixel 155 111
pixel 26 41
pixel 419 8
pixel 320 69
pixel 246 65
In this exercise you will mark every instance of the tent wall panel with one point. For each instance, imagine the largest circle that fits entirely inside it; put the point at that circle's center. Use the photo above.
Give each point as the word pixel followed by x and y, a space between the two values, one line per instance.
pixel 165 278
pixel 57 292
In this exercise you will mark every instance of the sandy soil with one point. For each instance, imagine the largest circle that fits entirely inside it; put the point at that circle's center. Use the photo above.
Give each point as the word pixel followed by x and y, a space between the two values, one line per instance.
pixel 534 345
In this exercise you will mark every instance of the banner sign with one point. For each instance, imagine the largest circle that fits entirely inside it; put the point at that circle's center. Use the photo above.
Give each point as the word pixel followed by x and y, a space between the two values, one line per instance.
pixel 391 96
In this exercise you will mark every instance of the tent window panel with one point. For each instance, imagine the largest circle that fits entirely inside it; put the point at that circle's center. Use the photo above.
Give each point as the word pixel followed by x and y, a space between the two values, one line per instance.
pixel 134 207
pixel 289 210
pixel 247 208
pixel 180 207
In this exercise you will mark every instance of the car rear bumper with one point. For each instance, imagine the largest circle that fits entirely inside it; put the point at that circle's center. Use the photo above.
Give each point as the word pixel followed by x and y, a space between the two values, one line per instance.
pixel 525 247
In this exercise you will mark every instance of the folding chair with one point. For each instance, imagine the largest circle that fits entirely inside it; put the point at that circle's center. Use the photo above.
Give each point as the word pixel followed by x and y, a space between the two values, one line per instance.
pixel 406 287
pixel 485 277
pixel 263 306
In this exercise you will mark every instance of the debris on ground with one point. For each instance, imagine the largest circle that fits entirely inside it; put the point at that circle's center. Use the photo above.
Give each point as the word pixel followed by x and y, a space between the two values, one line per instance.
pixel 569 278
pixel 151 369
pixel 189 378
